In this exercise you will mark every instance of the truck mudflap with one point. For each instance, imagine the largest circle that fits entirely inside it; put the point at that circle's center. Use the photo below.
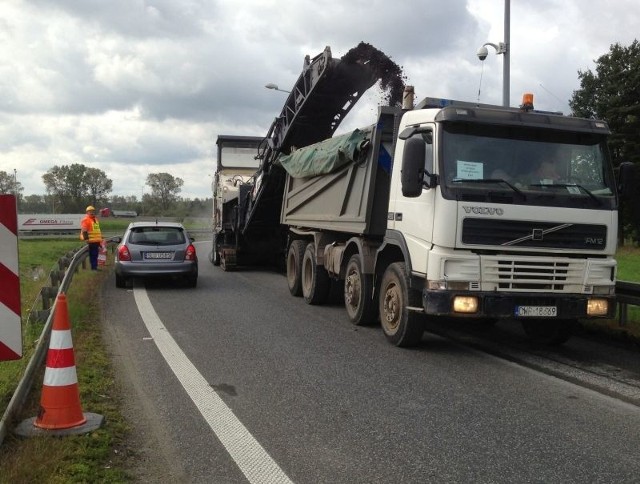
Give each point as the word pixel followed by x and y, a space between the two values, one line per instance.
pixel 517 306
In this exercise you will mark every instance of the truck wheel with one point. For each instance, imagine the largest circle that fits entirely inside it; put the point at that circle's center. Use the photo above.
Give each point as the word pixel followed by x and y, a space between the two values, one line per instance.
pixel 215 255
pixel 549 332
pixel 401 326
pixel 358 292
pixel 315 280
pixel 294 267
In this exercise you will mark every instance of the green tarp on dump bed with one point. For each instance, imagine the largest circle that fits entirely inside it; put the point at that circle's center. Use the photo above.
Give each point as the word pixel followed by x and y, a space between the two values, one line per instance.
pixel 326 156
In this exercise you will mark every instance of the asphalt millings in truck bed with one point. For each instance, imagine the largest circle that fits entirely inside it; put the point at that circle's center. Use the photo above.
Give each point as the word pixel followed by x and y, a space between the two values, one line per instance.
pixel 388 72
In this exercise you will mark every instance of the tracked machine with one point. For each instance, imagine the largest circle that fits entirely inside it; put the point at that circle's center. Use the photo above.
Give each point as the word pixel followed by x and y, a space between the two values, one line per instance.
pixel 249 184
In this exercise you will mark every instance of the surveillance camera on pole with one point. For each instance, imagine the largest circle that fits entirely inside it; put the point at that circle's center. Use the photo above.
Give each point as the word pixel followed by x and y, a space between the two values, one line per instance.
pixel 482 53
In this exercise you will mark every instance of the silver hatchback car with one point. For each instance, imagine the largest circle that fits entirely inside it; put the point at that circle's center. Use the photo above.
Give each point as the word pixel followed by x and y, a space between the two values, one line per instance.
pixel 156 249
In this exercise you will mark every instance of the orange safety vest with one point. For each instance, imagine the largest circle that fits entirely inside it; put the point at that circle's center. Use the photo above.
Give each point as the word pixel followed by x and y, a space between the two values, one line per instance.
pixel 92 227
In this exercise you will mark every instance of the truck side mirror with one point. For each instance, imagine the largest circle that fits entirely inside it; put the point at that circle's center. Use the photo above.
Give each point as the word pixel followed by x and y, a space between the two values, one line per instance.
pixel 412 173
pixel 626 180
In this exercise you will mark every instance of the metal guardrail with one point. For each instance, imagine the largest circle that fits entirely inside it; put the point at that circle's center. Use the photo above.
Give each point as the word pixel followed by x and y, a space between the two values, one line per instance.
pixel 69 265
pixel 627 294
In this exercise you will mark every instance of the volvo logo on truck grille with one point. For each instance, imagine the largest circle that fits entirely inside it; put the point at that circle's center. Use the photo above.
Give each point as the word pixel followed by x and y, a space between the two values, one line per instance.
pixel 483 210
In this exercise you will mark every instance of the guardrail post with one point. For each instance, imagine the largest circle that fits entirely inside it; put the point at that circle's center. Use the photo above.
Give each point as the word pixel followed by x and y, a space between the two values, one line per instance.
pixel 48 294
pixel 39 316
pixel 622 313
pixel 63 263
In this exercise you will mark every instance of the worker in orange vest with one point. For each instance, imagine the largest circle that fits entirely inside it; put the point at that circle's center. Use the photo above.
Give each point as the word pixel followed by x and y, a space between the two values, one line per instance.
pixel 90 233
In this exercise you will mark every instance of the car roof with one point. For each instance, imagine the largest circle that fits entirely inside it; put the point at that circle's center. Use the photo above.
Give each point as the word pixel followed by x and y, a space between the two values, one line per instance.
pixel 133 225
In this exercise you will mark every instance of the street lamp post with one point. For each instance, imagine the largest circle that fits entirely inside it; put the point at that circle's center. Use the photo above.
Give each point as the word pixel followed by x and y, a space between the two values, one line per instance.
pixel 275 88
pixel 502 48
pixel 15 186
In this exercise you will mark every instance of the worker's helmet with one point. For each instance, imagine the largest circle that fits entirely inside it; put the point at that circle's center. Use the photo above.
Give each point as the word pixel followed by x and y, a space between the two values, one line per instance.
pixel 90 207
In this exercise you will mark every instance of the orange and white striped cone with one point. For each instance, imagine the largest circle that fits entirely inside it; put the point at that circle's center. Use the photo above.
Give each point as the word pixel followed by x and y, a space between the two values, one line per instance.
pixel 60 408
pixel 60 401
pixel 102 254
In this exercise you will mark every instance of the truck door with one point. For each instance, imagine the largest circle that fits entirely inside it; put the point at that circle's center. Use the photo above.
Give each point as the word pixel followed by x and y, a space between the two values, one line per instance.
pixel 412 215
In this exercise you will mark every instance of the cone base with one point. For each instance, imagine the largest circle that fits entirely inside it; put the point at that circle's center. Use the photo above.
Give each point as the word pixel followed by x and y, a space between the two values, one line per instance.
pixel 27 428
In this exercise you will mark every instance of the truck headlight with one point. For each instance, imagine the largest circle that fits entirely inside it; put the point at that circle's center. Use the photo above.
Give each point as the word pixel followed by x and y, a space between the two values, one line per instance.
pixel 597 307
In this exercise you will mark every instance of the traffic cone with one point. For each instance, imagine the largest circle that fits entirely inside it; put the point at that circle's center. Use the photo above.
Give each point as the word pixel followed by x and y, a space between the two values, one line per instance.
pixel 102 254
pixel 60 401
pixel 60 411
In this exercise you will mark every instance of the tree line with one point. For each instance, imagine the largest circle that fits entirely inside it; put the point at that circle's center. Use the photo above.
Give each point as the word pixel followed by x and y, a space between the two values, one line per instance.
pixel 70 188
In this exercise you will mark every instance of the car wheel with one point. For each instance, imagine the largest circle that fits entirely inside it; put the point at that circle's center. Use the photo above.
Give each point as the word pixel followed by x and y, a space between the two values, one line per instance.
pixel 192 281
pixel 294 267
pixel 121 281
pixel 401 326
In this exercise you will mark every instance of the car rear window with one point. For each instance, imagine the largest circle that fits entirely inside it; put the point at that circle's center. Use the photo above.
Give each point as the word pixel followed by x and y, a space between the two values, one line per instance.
pixel 157 236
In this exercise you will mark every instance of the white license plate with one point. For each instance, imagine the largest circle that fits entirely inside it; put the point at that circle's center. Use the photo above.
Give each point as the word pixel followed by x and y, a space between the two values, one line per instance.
pixel 536 311
pixel 158 255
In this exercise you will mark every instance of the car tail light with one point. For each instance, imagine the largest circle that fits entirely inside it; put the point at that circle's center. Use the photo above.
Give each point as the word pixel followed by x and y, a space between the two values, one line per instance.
pixel 123 253
pixel 190 254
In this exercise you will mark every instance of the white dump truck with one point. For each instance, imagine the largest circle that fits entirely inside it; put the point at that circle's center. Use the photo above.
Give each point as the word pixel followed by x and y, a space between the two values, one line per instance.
pixel 450 209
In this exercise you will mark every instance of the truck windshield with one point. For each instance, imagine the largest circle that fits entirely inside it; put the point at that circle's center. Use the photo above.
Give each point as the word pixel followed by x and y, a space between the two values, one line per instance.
pixel 239 157
pixel 525 165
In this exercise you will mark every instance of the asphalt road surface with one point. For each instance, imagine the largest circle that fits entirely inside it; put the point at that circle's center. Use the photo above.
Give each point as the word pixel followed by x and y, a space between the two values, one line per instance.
pixel 236 381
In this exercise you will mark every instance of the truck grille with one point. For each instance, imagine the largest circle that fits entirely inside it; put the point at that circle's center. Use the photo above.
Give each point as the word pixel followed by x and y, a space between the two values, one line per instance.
pixel 513 233
pixel 532 275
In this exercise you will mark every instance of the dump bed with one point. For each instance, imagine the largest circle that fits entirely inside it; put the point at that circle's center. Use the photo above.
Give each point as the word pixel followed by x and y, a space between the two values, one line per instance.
pixel 342 184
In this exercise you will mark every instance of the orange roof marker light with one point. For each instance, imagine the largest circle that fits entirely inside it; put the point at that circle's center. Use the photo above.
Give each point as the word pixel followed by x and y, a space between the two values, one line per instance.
pixel 527 102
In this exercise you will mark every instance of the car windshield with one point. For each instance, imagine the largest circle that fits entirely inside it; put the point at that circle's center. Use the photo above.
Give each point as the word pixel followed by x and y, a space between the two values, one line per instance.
pixel 531 166
pixel 157 235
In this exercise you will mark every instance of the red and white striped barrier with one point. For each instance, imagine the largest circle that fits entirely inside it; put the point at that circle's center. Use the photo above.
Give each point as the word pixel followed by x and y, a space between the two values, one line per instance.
pixel 10 319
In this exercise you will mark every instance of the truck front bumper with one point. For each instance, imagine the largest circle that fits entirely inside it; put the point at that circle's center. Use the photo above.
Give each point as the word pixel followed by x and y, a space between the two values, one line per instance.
pixel 504 305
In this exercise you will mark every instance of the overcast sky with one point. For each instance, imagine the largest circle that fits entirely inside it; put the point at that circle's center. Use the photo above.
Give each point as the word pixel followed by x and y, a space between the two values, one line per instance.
pixel 134 87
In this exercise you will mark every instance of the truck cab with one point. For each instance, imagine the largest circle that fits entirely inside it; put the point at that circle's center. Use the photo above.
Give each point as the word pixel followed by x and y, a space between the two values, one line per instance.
pixel 506 213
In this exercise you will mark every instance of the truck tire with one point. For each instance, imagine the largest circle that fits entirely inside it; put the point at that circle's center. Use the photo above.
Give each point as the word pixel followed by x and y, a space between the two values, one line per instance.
pixel 215 255
pixel 294 267
pixel 549 332
pixel 358 293
pixel 315 280
pixel 401 326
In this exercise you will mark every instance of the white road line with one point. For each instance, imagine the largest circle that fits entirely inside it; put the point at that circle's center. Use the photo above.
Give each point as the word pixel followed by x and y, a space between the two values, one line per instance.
pixel 254 462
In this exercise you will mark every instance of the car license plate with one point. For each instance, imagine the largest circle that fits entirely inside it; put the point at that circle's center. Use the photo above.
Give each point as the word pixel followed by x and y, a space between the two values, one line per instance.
pixel 536 311
pixel 158 255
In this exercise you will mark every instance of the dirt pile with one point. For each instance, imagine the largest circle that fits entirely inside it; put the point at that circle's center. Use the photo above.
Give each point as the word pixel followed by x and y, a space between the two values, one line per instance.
pixel 392 79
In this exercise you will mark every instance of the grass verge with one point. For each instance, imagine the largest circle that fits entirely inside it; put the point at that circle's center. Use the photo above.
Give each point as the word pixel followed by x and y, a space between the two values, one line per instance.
pixel 99 456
